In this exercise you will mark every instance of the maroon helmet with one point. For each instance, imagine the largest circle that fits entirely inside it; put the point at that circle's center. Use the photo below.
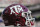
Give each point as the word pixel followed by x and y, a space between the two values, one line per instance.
pixel 16 14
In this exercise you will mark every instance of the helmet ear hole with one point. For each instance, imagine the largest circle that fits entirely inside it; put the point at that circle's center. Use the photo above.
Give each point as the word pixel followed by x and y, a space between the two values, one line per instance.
pixel 23 15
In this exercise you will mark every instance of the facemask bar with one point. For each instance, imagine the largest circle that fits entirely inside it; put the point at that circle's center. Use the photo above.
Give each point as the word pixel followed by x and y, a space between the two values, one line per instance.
pixel 28 18
pixel 27 15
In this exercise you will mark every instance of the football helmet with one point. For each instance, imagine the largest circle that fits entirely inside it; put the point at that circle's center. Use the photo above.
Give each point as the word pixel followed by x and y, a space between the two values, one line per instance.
pixel 17 15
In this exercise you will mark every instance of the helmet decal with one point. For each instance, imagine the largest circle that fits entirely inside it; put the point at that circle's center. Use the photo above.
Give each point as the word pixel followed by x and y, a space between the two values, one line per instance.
pixel 17 8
